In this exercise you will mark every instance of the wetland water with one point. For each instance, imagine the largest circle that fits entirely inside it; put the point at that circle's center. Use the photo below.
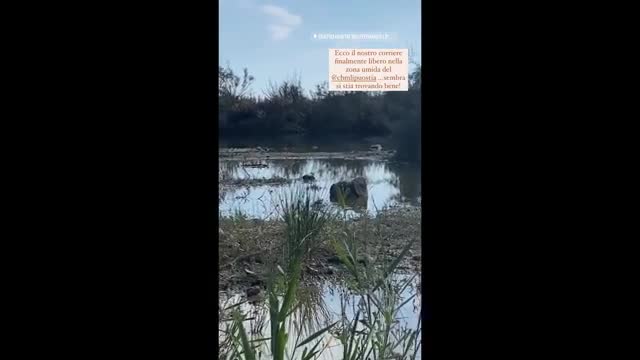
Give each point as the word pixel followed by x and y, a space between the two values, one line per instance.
pixel 388 183
pixel 325 305
pixel 256 191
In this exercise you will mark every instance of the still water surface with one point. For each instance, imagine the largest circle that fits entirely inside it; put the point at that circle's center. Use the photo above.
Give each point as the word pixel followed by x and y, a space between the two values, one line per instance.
pixel 388 183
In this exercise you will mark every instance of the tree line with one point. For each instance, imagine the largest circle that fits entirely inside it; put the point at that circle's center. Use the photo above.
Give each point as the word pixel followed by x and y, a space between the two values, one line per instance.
pixel 287 109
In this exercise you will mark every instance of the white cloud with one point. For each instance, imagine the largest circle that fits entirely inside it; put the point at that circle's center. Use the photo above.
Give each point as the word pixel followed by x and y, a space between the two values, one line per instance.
pixel 284 21
pixel 279 32
pixel 282 15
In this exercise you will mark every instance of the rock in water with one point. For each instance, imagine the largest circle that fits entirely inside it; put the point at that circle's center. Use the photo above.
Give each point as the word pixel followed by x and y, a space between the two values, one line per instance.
pixel 339 190
pixel 360 186
pixel 351 190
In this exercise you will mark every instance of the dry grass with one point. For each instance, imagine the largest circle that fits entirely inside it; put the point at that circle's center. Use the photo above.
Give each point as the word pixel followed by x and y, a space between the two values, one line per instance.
pixel 248 244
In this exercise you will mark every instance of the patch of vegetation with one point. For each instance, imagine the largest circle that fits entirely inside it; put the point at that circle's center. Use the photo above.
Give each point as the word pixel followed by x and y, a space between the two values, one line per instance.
pixel 371 332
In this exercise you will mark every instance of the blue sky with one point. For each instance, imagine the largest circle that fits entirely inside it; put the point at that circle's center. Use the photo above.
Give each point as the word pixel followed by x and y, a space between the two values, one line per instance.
pixel 274 38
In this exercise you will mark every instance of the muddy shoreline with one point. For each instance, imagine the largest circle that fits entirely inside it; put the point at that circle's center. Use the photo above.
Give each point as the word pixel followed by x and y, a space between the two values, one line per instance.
pixel 248 248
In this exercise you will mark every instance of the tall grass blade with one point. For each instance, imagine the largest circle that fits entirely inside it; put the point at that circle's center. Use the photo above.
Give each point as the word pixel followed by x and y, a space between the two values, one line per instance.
pixel 235 305
pixel 316 334
pixel 312 352
pixel 404 303
pixel 353 335
pixel 281 344
pixel 392 267
pixel 273 314
pixel 246 345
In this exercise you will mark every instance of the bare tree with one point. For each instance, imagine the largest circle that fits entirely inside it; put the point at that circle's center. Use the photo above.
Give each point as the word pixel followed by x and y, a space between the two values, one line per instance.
pixel 232 86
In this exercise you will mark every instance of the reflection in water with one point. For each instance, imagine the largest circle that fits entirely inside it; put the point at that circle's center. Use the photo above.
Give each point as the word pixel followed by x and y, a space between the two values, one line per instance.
pixel 321 305
pixel 313 313
pixel 409 183
pixel 387 183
